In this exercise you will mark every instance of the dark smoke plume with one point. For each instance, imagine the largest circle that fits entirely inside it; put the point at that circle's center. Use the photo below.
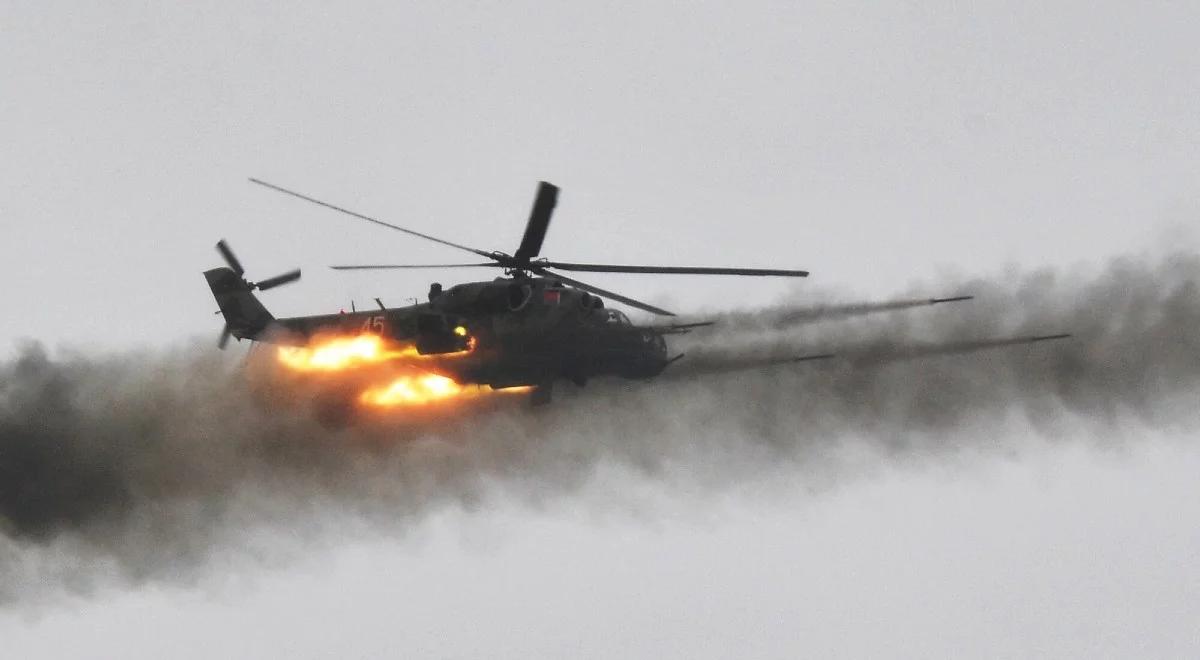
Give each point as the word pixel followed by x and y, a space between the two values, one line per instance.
pixel 151 467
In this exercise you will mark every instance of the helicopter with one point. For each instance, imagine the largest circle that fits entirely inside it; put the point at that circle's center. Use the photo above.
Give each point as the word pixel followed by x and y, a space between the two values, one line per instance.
pixel 530 326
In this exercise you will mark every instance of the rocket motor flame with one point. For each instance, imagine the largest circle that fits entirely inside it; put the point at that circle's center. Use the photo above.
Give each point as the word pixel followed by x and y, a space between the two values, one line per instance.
pixel 340 353
pixel 410 390
pixel 429 388
pixel 419 387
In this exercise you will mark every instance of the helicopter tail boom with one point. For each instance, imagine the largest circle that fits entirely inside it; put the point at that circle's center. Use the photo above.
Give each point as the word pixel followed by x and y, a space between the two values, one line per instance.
pixel 245 316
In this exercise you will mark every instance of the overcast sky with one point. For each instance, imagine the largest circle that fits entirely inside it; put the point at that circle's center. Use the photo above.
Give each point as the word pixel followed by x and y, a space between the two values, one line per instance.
pixel 870 143
pixel 879 145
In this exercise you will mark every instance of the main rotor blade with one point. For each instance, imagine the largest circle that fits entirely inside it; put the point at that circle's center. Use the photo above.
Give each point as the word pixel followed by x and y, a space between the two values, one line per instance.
pixel 369 219
pixel 605 294
pixel 271 283
pixel 230 259
pixel 673 270
pixel 539 221
pixel 392 266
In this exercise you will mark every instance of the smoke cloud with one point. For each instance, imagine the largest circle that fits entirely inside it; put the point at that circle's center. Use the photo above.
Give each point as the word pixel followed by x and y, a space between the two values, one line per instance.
pixel 139 467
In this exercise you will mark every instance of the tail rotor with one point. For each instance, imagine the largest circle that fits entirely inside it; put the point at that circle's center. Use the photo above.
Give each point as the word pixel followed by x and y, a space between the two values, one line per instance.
pixel 226 333
pixel 236 266
pixel 244 315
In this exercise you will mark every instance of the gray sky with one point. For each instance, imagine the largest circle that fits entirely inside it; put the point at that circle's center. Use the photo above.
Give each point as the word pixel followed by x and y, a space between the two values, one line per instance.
pixel 876 144
pixel 870 144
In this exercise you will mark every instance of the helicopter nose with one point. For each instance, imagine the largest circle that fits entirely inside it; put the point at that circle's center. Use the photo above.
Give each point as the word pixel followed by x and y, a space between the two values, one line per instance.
pixel 658 353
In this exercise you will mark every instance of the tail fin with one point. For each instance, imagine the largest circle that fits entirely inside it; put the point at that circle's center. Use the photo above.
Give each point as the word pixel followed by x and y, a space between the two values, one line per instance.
pixel 245 316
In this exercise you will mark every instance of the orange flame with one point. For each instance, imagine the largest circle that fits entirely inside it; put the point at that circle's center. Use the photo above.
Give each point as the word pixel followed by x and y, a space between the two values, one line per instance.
pixel 337 353
pixel 341 353
pixel 427 388
pixel 413 390
pixel 416 388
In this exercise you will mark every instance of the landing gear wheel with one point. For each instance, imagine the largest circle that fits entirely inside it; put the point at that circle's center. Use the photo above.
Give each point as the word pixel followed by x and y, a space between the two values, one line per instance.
pixel 542 394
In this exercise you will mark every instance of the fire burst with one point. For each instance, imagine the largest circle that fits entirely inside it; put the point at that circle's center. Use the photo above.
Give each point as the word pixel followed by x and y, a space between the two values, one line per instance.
pixel 415 390
pixel 342 353
pixel 415 387
pixel 429 388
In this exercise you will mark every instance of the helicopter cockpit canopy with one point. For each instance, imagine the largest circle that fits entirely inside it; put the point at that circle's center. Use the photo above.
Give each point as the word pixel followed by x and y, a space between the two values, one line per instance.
pixel 616 317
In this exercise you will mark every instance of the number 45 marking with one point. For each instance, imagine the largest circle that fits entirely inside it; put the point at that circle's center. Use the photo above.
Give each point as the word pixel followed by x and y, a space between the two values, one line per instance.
pixel 373 324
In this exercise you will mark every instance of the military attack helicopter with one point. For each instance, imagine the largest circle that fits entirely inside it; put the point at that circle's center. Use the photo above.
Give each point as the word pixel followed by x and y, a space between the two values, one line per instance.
pixel 531 326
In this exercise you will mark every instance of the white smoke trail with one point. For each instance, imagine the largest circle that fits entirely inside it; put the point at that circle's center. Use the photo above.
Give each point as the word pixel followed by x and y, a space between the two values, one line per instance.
pixel 147 467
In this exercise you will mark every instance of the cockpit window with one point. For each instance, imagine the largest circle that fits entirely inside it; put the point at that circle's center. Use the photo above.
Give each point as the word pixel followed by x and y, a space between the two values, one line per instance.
pixel 616 317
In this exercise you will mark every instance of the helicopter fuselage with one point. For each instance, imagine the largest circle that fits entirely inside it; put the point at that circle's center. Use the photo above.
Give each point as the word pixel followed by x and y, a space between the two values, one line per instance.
pixel 531 327
pixel 503 333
